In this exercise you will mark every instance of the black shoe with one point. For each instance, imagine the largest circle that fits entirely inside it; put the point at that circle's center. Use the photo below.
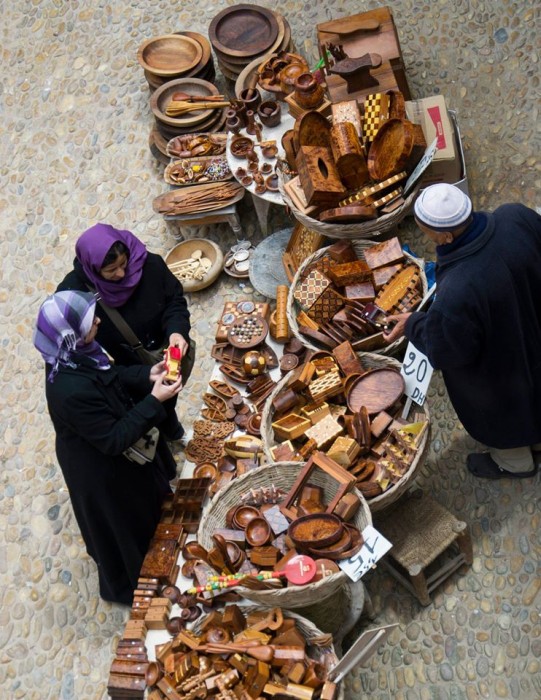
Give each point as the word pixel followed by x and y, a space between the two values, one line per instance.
pixel 483 466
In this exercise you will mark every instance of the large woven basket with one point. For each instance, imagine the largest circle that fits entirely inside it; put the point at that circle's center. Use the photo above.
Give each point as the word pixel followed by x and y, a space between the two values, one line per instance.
pixel 385 499
pixel 282 475
pixel 364 229
pixel 319 643
pixel 359 247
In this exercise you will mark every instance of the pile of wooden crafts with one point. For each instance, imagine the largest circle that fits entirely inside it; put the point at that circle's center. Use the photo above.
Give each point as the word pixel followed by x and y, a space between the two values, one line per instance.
pixel 353 167
pixel 198 198
pixel 245 653
pixel 339 296
pixel 336 404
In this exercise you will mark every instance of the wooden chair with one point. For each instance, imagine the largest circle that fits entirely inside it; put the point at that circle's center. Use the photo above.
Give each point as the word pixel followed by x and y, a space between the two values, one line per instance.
pixel 429 543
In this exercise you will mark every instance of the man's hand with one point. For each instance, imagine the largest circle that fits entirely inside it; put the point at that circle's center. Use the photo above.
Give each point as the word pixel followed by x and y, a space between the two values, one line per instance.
pixel 397 327
pixel 177 339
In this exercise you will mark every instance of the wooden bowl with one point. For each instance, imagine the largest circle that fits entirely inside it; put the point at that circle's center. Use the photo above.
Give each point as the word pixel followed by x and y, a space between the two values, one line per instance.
pixel 170 54
pixel 161 98
pixel 243 515
pixel 320 530
pixel 210 250
pixel 258 532
pixel 205 470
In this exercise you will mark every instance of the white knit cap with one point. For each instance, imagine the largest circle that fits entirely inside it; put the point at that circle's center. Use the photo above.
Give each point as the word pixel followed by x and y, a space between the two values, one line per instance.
pixel 443 206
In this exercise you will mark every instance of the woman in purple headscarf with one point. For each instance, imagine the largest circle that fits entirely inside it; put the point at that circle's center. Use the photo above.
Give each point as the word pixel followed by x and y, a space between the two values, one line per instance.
pixel 140 287
pixel 99 412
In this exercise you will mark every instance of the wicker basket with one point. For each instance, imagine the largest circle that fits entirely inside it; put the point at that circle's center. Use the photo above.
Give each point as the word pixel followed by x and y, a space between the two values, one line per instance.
pixel 359 247
pixel 364 229
pixel 319 644
pixel 282 475
pixel 393 493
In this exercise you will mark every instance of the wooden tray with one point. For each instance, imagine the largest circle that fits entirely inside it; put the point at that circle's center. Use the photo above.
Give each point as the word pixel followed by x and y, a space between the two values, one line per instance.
pixel 377 390
pixel 193 86
pixel 244 30
pixel 390 148
pixel 177 202
pixel 170 54
pixel 220 141
pixel 201 164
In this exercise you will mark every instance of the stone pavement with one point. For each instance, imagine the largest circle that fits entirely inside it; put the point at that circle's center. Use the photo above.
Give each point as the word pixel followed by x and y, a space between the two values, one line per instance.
pixel 75 124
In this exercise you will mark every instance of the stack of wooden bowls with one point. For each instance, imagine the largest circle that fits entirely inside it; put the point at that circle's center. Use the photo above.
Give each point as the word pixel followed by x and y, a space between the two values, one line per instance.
pixel 243 34
pixel 206 120
pixel 171 56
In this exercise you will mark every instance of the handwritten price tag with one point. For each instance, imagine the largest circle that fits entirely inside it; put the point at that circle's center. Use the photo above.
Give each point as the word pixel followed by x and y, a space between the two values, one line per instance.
pixel 374 547
pixel 417 373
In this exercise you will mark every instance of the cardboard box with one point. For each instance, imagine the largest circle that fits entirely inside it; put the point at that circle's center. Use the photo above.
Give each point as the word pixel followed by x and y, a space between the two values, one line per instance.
pixel 438 122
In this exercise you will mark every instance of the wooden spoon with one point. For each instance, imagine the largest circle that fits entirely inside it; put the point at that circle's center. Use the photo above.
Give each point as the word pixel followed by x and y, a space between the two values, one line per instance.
pixel 176 108
pixel 264 652
pixel 179 96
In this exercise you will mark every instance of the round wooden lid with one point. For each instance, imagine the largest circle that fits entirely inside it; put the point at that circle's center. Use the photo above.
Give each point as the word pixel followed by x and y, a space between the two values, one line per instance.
pixel 377 390
pixel 390 148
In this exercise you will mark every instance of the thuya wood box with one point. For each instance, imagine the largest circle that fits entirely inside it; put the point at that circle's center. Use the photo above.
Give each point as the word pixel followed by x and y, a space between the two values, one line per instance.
pixel 290 426
pixel 319 176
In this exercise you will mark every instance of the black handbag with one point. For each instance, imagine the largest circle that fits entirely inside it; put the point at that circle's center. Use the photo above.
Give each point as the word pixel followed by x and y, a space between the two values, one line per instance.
pixel 147 357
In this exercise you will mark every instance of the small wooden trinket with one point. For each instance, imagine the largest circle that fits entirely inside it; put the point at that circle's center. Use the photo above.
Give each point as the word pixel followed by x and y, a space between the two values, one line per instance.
pixel 376 112
pixel 347 359
pixel 316 411
pixel 326 306
pixel 344 451
pixel 303 242
pixel 302 376
pixel 304 320
pixel 387 253
pixel 323 387
pixel 393 292
pixel 310 289
pixel 290 426
pixel 285 452
pixel 347 111
pixel 350 273
pixel 324 432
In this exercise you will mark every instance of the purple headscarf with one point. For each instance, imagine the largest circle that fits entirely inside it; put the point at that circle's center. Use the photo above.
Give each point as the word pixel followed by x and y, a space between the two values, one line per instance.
pixel 64 320
pixel 91 249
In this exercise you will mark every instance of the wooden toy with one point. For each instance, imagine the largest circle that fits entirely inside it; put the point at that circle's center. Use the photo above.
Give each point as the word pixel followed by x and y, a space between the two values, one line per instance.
pixel 172 356
pixel 247 332
pixel 356 71
pixel 232 311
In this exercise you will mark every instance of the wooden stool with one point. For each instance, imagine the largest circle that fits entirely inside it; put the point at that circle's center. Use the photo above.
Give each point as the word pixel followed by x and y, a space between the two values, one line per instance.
pixel 226 214
pixel 422 531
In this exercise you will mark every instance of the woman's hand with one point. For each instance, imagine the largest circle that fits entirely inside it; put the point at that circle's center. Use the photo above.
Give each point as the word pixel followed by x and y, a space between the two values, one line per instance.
pixel 177 339
pixel 163 391
pixel 397 327
pixel 157 370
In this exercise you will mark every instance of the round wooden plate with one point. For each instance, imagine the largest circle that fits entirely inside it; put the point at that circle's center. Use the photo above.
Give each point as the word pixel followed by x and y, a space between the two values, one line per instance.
pixel 240 61
pixel 170 54
pixel 251 27
pixel 193 86
pixel 377 390
pixel 390 149
pixel 313 129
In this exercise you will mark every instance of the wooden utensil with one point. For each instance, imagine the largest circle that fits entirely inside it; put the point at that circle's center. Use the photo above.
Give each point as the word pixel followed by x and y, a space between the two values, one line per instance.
pixel 178 107
pixel 177 96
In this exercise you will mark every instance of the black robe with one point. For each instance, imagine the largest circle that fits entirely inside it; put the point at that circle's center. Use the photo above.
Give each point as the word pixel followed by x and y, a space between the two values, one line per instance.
pixel 484 329
pixel 116 502
pixel 156 309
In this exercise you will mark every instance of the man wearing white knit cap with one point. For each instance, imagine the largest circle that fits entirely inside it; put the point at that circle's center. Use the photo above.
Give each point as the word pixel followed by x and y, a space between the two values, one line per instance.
pixel 483 329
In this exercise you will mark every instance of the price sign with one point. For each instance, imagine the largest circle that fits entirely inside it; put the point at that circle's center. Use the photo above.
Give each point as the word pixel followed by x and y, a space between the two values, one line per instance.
pixel 417 373
pixel 374 547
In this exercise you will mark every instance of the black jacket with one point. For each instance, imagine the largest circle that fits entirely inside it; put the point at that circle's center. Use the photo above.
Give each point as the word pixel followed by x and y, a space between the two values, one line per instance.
pixel 116 502
pixel 484 329
pixel 156 309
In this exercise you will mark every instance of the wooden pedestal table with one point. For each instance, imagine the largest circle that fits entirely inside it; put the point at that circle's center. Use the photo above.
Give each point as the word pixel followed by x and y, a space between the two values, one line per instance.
pixel 263 201
pixel 429 543
pixel 227 215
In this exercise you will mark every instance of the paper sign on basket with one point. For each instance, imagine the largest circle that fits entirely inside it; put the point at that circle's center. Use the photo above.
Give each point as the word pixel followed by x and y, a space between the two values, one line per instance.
pixel 374 547
pixel 422 165
pixel 417 373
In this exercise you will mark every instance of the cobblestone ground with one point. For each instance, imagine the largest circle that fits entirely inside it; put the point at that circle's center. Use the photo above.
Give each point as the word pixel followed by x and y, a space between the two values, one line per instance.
pixel 75 125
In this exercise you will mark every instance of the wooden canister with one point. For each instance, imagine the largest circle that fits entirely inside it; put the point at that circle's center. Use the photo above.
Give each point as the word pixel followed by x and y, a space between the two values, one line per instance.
pixel 348 155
